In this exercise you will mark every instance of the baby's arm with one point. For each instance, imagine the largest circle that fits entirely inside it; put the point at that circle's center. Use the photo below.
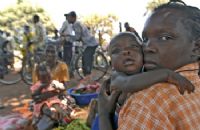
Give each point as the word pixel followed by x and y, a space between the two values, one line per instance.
pixel 44 96
pixel 38 91
pixel 40 96
pixel 138 82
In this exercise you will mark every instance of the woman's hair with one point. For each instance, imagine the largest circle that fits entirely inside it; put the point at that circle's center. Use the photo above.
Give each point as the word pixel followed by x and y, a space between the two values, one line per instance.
pixel 191 16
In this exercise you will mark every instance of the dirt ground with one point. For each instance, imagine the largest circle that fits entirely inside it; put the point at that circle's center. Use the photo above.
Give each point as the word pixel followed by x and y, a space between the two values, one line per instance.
pixel 17 95
pixel 13 96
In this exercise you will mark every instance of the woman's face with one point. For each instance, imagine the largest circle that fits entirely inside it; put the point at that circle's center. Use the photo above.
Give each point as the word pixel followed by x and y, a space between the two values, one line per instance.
pixel 50 54
pixel 167 40
pixel 126 56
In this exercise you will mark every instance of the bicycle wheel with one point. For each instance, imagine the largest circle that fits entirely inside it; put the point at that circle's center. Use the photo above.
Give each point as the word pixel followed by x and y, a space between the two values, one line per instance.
pixel 99 69
pixel 10 70
pixel 27 69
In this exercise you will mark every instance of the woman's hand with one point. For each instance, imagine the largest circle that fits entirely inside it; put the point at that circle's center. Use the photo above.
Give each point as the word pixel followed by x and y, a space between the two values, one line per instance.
pixel 107 102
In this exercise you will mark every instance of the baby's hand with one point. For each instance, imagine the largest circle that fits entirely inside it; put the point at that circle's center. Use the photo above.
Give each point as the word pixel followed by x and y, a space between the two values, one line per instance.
pixel 37 98
pixel 116 81
pixel 181 82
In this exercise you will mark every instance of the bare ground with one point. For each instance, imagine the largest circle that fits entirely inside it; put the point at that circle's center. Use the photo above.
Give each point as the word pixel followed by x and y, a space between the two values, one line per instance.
pixel 16 96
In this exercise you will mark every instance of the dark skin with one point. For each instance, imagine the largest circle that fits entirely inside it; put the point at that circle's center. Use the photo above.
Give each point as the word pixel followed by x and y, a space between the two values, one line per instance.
pixel 51 58
pixel 45 79
pixel 71 19
pixel 35 19
pixel 130 54
pixel 120 81
pixel 162 38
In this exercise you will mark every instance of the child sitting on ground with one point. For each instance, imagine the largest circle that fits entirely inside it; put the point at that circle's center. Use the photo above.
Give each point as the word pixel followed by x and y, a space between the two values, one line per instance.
pixel 48 97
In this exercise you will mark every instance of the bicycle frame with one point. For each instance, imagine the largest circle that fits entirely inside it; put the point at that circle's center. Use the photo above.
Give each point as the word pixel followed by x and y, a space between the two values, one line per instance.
pixel 100 63
pixel 77 50
pixel 9 67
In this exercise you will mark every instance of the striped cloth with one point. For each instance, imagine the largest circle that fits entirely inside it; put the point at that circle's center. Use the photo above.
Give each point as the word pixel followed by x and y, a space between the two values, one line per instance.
pixel 161 107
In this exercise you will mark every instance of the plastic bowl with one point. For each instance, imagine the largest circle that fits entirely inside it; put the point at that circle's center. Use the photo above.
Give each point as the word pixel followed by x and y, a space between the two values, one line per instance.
pixel 82 99
pixel 95 123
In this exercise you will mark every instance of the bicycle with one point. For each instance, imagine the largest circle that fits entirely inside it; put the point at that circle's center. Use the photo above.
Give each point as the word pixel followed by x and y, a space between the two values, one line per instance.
pixel 100 62
pixel 29 61
pixel 10 65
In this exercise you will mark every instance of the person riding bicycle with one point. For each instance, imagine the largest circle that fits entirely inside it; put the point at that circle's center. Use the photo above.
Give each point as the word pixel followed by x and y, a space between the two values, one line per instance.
pixel 65 30
pixel 83 34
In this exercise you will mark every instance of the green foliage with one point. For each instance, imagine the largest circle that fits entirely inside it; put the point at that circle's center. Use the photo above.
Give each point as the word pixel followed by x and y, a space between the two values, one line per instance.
pixel 16 16
pixel 100 25
pixel 74 125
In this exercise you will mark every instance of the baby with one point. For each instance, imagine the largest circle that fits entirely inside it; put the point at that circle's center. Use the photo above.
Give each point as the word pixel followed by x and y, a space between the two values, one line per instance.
pixel 127 59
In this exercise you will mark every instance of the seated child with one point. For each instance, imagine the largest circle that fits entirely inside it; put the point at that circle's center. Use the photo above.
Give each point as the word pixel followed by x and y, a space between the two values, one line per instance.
pixel 48 97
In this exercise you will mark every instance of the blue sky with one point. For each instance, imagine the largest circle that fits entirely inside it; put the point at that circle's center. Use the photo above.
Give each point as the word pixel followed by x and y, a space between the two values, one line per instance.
pixel 131 11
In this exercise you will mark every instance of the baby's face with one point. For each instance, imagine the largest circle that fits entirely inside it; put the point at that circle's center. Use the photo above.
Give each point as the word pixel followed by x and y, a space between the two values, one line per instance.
pixel 44 76
pixel 126 56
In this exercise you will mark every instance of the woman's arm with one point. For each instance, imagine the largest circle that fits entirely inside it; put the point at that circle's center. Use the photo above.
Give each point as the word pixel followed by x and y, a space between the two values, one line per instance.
pixel 137 82
pixel 106 107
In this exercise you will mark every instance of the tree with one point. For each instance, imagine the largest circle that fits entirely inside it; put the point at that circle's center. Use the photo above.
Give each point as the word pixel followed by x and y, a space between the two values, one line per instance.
pixel 15 17
pixel 100 25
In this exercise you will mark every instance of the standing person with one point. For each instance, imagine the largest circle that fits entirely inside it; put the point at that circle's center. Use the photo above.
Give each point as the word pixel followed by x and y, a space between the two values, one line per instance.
pixel 120 27
pixel 40 33
pixel 173 44
pixel 83 34
pixel 27 40
pixel 64 31
pixel 57 40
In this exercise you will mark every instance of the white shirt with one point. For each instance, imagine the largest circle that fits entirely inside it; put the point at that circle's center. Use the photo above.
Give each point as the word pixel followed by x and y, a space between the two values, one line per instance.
pixel 66 29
